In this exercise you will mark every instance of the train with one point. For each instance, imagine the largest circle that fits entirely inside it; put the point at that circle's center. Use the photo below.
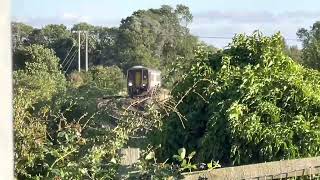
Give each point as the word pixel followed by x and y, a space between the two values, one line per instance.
pixel 142 81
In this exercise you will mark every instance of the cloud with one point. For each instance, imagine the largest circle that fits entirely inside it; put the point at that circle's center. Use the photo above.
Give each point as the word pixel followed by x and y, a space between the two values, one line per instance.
pixel 240 17
pixel 209 23
pixel 254 16
pixel 67 19
pixel 74 18
pixel 224 32
pixel 227 23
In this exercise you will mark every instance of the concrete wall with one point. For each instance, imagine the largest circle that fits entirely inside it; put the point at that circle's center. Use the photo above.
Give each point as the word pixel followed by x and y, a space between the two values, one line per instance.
pixel 129 156
pixel 270 170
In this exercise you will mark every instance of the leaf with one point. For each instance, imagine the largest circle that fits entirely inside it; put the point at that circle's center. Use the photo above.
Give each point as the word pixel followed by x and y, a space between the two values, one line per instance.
pixel 191 154
pixel 182 153
pixel 113 160
pixel 193 166
pixel 184 163
pixel 177 157
pixel 84 171
pixel 150 156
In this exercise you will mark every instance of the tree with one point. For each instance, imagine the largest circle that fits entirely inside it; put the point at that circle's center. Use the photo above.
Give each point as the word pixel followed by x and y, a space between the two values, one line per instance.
pixel 20 34
pixel 82 27
pixel 34 87
pixel 59 130
pixel 58 38
pixel 99 80
pixel 155 38
pixel 311 45
pixel 41 77
pixel 295 53
pixel 104 40
pixel 53 36
pixel 55 32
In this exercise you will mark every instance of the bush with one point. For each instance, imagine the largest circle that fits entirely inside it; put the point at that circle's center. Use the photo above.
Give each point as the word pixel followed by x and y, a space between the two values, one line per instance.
pixel 59 131
pixel 248 103
pixel 107 80
pixel 34 86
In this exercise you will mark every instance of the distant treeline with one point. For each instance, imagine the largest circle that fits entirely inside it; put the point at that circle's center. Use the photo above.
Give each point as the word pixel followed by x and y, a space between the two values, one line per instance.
pixel 157 38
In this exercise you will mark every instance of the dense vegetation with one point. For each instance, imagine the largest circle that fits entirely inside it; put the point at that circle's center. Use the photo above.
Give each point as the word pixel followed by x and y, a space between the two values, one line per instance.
pixel 58 129
pixel 250 102
pixel 245 104
pixel 157 38
pixel 310 42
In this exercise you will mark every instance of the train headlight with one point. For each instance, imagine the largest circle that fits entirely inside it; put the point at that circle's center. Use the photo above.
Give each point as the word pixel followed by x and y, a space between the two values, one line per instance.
pixel 130 84
pixel 143 85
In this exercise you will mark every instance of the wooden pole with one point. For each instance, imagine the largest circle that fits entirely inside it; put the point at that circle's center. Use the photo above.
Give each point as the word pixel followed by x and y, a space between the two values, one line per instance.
pixel 79 54
pixel 86 50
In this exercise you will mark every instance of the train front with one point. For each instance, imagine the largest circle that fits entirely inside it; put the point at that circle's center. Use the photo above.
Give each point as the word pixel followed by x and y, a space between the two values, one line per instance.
pixel 137 81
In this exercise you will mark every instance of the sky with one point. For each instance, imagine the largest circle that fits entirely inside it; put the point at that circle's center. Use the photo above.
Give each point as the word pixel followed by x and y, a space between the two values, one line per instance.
pixel 212 18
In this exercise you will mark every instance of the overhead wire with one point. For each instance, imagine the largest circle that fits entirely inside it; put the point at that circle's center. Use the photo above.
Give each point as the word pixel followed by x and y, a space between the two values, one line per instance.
pixel 68 54
pixel 72 57
pixel 70 62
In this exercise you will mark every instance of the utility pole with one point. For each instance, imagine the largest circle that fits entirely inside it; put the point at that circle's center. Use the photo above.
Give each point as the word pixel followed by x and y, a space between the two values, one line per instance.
pixel 79 65
pixel 86 32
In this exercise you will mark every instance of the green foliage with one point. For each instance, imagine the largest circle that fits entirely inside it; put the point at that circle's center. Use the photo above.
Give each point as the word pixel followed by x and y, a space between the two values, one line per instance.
pixel 245 104
pixel 311 43
pixel 155 38
pixel 104 51
pixel 295 53
pixel 41 77
pixel 82 27
pixel 59 131
pixel 61 40
pixel 149 168
pixel 20 34
pixel 105 80
pixel 33 87
pixel 185 163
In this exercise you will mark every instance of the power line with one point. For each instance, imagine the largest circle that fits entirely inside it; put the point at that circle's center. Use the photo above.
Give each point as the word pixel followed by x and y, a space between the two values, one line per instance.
pixel 68 61
pixel 74 55
pixel 68 54
pixel 72 58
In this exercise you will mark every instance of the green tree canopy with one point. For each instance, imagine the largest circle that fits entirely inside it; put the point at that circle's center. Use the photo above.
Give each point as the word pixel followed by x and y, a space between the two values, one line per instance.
pixel 20 34
pixel 34 85
pixel 247 103
pixel 295 53
pixel 155 38
pixel 311 45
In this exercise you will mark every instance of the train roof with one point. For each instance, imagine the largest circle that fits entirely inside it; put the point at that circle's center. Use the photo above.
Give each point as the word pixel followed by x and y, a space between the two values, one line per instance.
pixel 143 67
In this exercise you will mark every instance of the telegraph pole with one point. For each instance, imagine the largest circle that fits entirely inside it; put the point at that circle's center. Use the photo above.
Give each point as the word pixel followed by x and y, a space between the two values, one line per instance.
pixel 86 32
pixel 79 65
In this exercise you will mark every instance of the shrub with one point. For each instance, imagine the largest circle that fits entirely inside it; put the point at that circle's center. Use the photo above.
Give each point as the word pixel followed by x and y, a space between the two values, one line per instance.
pixel 34 86
pixel 248 103
pixel 107 80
